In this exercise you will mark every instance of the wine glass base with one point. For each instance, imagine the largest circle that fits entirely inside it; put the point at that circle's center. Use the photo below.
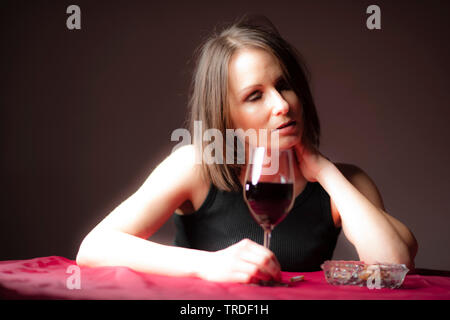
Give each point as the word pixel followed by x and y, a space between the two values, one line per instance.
pixel 272 283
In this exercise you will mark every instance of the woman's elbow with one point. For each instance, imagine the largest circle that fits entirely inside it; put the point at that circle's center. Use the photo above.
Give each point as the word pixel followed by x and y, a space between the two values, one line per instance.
pixel 413 249
pixel 86 254
pixel 407 256
pixel 82 256
pixel 81 259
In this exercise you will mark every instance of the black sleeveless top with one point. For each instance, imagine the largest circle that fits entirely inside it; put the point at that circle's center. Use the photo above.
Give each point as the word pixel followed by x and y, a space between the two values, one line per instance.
pixel 301 242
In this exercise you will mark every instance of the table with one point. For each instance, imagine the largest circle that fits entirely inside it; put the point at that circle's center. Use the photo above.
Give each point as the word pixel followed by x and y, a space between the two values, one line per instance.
pixel 57 277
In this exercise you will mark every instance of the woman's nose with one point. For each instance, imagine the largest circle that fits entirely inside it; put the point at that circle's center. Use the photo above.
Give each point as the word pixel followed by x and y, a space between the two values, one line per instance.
pixel 279 105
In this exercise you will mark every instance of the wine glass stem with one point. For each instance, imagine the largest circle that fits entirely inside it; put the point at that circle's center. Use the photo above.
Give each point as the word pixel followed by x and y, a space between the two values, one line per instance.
pixel 267 235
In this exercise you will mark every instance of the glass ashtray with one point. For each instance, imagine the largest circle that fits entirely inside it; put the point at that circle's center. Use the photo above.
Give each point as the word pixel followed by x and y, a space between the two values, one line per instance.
pixel 374 276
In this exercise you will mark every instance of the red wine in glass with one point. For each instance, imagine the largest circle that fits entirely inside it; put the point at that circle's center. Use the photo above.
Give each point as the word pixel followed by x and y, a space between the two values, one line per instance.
pixel 269 201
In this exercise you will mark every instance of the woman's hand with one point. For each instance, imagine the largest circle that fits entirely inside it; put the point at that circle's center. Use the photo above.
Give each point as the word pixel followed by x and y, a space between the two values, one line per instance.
pixel 244 262
pixel 310 161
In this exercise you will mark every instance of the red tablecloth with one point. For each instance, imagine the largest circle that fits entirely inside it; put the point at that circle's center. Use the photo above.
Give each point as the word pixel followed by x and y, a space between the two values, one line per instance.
pixel 47 277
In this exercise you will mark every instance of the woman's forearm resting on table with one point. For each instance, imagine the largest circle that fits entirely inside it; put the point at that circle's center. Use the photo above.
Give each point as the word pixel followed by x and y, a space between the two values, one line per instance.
pixel 376 236
pixel 245 261
pixel 115 248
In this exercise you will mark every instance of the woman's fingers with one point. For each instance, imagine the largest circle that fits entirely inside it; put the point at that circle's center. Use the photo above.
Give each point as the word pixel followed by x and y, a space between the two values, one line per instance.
pixel 264 261
pixel 253 272
pixel 262 266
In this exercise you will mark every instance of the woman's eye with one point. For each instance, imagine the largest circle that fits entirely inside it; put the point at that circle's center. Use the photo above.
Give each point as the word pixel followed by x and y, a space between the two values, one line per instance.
pixel 254 96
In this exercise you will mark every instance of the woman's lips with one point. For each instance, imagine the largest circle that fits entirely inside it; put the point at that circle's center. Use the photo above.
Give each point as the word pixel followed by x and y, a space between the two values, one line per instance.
pixel 287 128
pixel 288 123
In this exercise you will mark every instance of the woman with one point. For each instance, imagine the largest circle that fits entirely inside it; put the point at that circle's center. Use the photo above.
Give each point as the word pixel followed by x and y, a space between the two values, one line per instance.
pixel 248 77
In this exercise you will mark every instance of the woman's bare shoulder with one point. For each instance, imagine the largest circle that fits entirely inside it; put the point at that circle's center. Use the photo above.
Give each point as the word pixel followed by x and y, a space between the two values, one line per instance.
pixel 178 170
pixel 347 169
pixel 362 181
pixel 353 173
pixel 185 174
pixel 167 187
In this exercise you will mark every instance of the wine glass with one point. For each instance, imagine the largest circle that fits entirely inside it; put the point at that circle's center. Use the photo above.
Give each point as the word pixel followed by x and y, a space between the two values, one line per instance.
pixel 269 187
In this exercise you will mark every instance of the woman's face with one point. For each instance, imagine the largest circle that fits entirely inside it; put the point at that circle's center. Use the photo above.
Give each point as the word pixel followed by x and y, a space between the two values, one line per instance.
pixel 260 98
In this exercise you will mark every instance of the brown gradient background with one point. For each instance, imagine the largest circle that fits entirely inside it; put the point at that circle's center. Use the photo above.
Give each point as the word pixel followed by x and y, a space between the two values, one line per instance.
pixel 86 115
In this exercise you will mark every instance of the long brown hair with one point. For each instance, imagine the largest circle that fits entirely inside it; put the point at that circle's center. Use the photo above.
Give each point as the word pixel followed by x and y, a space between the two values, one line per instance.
pixel 208 101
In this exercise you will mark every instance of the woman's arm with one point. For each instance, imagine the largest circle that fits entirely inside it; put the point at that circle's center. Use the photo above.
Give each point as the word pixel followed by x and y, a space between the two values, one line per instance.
pixel 376 236
pixel 120 239
pixel 365 185
pixel 244 262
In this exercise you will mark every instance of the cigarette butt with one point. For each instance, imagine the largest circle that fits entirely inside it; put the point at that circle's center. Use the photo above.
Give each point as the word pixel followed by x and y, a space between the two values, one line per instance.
pixel 297 278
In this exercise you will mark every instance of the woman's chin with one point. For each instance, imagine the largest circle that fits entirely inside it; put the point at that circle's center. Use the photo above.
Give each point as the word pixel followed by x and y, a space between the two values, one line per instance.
pixel 288 143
